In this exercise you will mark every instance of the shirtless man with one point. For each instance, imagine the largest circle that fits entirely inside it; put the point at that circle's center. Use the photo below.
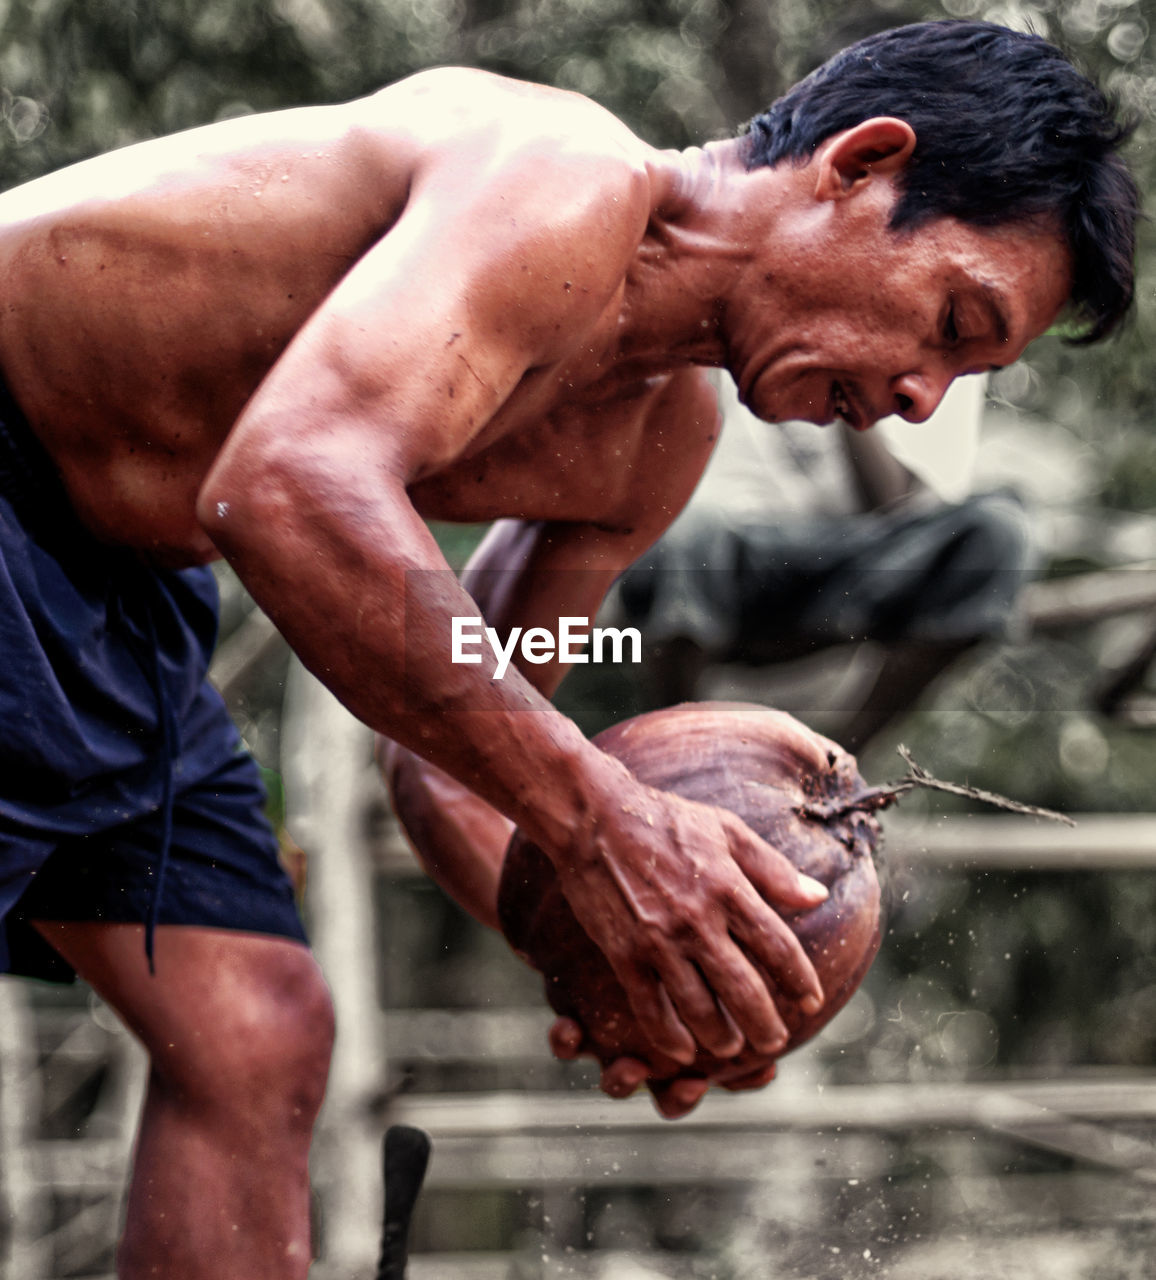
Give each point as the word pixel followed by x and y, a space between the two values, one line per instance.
pixel 289 340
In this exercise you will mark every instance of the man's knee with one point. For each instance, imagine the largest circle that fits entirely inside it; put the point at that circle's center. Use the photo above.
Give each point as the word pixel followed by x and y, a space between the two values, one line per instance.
pixel 994 534
pixel 260 1044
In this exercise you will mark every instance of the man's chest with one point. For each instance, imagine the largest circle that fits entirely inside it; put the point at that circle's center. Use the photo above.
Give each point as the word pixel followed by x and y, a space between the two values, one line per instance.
pixel 554 457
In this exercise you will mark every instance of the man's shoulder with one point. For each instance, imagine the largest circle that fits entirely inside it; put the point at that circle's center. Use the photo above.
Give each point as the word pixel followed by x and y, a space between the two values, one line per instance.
pixel 457 100
pixel 537 199
pixel 494 129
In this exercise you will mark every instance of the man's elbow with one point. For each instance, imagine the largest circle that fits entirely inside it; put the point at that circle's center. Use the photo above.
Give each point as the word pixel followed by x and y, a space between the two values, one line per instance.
pixel 236 505
pixel 223 511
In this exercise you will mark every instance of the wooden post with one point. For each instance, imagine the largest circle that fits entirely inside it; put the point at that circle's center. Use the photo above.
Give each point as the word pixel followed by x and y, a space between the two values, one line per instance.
pixel 24 1200
pixel 326 755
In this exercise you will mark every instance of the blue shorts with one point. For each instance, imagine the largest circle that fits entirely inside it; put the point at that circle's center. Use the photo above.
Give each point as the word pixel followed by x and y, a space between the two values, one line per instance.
pixel 125 792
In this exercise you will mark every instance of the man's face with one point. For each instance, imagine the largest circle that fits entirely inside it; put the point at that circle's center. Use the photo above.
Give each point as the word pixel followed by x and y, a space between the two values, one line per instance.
pixel 867 322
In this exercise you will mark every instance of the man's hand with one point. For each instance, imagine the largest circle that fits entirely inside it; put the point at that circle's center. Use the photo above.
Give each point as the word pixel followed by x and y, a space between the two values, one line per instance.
pixel 461 842
pixel 673 1097
pixel 681 899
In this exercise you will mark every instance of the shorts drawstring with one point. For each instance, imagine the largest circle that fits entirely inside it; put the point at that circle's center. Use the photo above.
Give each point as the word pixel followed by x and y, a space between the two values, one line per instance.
pixel 150 664
pixel 170 747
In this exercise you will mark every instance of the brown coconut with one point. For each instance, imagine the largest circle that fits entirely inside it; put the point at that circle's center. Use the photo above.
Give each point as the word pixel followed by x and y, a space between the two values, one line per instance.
pixel 799 791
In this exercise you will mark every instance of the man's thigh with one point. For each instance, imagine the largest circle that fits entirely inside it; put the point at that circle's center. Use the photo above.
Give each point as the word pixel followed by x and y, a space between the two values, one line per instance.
pixel 214 865
pixel 221 1004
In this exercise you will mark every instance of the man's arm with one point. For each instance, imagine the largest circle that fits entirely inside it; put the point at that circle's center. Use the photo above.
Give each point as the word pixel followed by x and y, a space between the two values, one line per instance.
pixel 409 359
pixel 459 839
pixel 521 576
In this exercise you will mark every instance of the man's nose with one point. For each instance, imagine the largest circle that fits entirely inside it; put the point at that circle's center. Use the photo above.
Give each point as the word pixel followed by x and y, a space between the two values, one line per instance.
pixel 916 395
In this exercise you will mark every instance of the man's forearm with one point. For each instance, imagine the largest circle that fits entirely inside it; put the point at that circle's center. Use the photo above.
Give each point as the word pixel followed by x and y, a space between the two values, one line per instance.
pixel 368 606
pixel 459 840
pixel 680 898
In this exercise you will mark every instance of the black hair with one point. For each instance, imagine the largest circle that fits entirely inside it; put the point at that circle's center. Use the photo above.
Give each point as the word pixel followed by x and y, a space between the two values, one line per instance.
pixel 1007 131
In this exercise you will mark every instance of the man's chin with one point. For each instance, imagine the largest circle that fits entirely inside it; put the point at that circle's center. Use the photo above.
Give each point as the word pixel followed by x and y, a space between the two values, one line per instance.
pixel 775 411
pixel 774 414
pixel 816 417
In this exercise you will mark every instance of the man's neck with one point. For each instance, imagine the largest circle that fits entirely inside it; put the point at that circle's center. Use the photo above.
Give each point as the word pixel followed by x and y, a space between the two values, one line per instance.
pixel 706 219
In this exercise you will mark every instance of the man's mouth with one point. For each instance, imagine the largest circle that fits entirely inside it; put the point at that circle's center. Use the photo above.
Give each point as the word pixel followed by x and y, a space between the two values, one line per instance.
pixel 844 407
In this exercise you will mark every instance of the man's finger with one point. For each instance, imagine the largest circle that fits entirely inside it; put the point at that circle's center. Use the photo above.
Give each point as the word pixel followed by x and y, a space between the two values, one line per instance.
pixel 753 1014
pixel 771 942
pixel 755 1079
pixel 623 1076
pixel 701 1013
pixel 566 1038
pixel 774 875
pixel 676 1098
pixel 656 1015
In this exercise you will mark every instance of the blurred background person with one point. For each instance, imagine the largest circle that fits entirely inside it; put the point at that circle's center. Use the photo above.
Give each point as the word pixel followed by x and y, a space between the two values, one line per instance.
pixel 799 540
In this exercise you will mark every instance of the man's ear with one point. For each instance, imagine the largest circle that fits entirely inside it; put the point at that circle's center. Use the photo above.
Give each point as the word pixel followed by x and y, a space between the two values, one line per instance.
pixel 847 161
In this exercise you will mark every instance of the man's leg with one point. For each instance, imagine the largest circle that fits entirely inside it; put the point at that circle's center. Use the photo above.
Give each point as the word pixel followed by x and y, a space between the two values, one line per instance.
pixel 239 1029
